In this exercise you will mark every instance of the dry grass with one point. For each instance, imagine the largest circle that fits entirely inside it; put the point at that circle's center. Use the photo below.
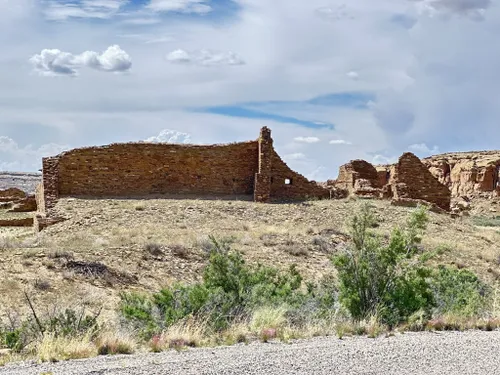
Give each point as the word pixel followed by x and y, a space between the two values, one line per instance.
pixel 53 349
pixel 111 342
pixel 114 233
pixel 188 333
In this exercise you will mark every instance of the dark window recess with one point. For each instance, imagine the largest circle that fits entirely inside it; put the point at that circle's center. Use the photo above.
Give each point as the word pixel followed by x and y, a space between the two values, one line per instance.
pixel 288 181
pixel 272 180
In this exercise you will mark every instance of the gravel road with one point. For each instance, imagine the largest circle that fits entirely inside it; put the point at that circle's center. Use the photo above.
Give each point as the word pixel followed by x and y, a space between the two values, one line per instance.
pixel 411 353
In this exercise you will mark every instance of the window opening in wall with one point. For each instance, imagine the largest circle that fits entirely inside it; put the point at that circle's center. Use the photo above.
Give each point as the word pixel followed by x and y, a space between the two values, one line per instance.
pixel 288 181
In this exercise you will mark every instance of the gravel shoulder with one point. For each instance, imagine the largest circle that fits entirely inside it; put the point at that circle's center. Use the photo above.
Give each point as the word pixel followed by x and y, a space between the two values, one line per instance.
pixel 463 353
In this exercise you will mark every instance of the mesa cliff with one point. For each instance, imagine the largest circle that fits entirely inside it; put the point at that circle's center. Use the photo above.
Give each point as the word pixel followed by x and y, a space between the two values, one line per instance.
pixel 467 174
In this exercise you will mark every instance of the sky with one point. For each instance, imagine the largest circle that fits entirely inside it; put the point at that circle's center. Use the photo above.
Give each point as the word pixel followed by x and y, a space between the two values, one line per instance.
pixel 334 80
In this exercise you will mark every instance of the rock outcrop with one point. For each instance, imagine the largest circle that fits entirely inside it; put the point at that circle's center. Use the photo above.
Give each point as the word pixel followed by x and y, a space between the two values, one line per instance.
pixel 467 174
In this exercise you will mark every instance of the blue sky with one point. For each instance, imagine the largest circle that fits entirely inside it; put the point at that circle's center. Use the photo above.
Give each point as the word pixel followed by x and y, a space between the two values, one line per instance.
pixel 334 80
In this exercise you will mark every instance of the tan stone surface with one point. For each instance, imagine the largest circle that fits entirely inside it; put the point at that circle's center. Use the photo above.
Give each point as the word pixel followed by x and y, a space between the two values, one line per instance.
pixel 469 174
pixel 410 179
pixel 143 169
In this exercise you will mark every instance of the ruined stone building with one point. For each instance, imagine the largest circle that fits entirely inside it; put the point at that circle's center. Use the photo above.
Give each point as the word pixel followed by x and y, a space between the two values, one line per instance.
pixel 252 169
pixel 407 182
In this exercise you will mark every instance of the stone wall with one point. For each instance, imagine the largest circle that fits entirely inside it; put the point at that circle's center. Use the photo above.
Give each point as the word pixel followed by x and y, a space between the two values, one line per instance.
pixel 410 179
pixel 142 169
pixel 287 184
pixel 358 177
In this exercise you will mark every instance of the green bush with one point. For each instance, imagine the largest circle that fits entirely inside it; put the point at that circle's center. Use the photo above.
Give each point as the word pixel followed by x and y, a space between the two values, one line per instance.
pixel 386 279
pixel 230 290
pixel 458 291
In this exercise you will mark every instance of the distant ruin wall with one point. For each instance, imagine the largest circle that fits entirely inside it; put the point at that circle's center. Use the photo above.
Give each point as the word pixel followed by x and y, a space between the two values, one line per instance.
pixel 410 179
pixel 141 169
pixel 354 171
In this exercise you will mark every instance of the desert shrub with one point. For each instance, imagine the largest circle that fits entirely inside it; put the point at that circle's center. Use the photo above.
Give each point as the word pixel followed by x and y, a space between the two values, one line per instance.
pixel 385 279
pixel 230 290
pixel 458 291
pixel 484 221
pixel 19 332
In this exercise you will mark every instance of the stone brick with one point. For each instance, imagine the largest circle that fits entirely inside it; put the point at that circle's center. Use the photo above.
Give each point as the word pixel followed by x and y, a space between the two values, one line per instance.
pixel 410 179
pixel 140 169
pixel 357 170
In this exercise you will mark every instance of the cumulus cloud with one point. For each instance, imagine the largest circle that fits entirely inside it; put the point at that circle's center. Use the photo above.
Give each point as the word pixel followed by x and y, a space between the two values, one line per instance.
pixel 54 62
pixel 306 139
pixel 14 157
pixel 180 6
pixel 423 149
pixel 474 9
pixel 170 136
pixel 60 11
pixel 339 142
pixel 204 57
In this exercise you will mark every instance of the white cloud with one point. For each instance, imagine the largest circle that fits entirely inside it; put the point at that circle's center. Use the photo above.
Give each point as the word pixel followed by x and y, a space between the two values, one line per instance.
pixel 61 11
pixel 204 57
pixel 423 149
pixel 306 139
pixel 170 136
pixel 181 6
pixel 28 158
pixel 53 62
pixel 339 142
pixel 474 9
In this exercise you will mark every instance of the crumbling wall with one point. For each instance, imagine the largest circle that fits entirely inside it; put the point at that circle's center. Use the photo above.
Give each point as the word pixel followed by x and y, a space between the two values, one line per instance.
pixel 359 178
pixel 410 179
pixel 141 169
pixel 276 181
pixel 287 184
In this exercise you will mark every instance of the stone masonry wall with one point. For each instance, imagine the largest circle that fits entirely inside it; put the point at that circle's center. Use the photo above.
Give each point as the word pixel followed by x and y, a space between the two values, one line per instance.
pixel 287 184
pixel 357 170
pixel 410 179
pixel 141 169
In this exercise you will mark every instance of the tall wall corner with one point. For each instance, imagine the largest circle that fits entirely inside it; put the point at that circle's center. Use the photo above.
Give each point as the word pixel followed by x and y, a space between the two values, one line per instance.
pixel 262 188
pixel 50 183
